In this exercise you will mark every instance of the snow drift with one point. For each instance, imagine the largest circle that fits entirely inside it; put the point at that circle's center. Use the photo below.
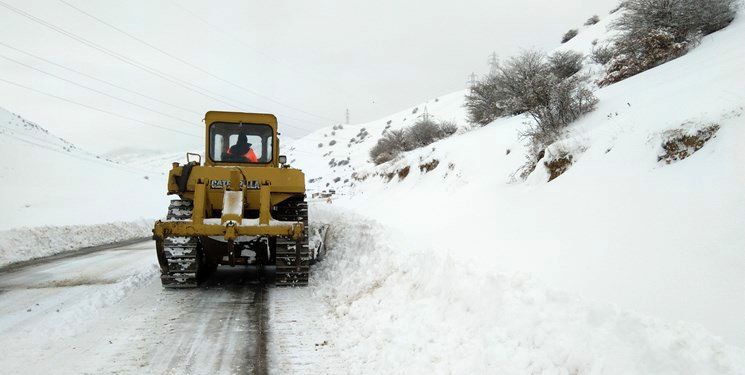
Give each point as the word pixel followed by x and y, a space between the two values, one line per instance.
pixel 403 310
pixel 21 244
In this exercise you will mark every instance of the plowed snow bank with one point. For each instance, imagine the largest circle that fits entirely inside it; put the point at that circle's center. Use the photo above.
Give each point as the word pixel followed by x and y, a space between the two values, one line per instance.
pixel 396 307
pixel 28 243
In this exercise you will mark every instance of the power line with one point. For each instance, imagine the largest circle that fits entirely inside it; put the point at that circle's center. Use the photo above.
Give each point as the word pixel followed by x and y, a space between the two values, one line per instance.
pixel 239 41
pixel 294 66
pixel 111 53
pixel 105 111
pixel 104 81
pixel 175 80
pixel 100 80
pixel 193 66
pixel 124 168
pixel 221 30
pixel 97 91
pixel 97 109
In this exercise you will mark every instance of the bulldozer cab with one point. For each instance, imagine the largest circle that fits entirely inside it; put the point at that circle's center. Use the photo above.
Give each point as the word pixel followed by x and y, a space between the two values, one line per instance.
pixel 245 139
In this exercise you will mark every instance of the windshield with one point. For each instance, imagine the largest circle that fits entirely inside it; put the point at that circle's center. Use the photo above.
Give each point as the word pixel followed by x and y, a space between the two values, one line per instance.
pixel 241 143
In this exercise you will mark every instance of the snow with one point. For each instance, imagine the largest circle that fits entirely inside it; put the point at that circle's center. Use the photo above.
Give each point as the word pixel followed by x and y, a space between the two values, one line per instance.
pixel 245 222
pixel 57 197
pixel 49 181
pixel 232 203
pixel 21 244
pixel 395 306
pixel 623 264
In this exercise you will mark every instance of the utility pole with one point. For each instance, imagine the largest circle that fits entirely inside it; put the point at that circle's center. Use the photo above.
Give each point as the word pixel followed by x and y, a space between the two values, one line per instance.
pixel 471 80
pixel 347 116
pixel 493 64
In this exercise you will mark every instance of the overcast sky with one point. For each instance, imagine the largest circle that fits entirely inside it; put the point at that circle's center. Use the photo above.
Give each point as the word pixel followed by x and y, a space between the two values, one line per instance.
pixel 306 61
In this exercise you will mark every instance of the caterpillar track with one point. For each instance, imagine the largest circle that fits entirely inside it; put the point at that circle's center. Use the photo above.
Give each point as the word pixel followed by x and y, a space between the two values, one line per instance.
pixel 180 257
pixel 293 257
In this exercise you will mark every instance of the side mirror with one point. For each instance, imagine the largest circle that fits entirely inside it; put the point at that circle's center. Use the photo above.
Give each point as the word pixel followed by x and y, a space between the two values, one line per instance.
pixel 196 156
pixel 282 159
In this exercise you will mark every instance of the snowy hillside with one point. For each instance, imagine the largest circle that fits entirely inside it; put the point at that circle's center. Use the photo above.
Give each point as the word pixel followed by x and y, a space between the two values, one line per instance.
pixel 53 191
pixel 458 233
pixel 148 160
pixel 340 151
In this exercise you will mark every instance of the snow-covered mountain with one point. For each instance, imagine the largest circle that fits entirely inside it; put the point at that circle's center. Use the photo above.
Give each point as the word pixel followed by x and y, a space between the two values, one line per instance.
pixel 456 232
pixel 56 196
pixel 49 181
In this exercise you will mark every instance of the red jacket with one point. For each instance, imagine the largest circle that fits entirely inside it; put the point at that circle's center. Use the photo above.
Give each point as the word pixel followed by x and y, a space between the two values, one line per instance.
pixel 249 155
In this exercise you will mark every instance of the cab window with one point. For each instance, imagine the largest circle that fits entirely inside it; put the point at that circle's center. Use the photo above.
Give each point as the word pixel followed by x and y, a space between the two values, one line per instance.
pixel 241 143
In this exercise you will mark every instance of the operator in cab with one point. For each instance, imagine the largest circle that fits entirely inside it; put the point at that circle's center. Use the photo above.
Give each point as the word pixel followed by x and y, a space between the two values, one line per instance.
pixel 243 149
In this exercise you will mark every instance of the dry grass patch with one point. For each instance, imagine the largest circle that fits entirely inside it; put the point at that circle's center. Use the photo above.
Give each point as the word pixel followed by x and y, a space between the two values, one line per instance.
pixel 429 166
pixel 680 145
pixel 557 166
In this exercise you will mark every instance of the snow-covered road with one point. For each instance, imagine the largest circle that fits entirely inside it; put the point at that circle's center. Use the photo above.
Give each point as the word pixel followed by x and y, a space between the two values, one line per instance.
pixel 105 312
pixel 382 301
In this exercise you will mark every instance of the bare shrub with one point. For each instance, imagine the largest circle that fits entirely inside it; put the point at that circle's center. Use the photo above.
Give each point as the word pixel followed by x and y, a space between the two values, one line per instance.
pixel 653 32
pixel 592 20
pixel 421 134
pixel 532 85
pixel 447 128
pixel 388 146
pixel 482 102
pixel 565 63
pixel 684 19
pixel 519 82
pixel 635 55
pixel 602 54
pixel 569 35
pixel 552 101
pixel 549 89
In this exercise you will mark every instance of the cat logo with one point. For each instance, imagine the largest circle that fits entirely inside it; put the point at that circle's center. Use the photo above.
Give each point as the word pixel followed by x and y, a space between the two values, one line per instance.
pixel 220 184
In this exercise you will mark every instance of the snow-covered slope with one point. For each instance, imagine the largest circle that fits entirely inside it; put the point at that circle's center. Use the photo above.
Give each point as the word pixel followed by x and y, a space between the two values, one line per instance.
pixel 619 228
pixel 155 161
pixel 340 151
pixel 48 181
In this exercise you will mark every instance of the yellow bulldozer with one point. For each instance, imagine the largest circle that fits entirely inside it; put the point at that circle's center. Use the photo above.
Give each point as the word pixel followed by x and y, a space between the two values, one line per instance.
pixel 244 205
